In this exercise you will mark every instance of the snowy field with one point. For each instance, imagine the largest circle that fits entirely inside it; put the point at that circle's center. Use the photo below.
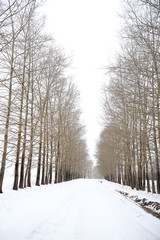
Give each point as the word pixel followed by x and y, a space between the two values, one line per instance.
pixel 77 210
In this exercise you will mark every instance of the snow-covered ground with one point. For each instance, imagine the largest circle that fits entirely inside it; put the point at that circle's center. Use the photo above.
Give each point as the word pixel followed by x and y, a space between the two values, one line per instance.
pixel 77 210
pixel 140 194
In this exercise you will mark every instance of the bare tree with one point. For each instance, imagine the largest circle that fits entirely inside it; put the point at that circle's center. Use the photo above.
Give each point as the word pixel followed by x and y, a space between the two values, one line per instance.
pixel 14 29
pixel 131 102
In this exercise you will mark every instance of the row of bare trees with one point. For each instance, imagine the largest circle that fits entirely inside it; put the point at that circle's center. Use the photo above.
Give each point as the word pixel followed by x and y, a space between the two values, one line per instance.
pixel 40 125
pixel 129 147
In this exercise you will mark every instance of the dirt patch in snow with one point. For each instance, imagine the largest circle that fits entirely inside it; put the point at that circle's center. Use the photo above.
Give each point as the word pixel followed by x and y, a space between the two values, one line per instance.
pixel 149 206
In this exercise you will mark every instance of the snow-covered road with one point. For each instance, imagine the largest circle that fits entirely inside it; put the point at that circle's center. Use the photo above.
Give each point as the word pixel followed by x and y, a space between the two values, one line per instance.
pixel 76 210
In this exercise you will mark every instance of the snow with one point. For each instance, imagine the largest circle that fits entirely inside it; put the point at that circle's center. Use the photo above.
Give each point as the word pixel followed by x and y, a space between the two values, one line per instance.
pixel 84 209
pixel 140 194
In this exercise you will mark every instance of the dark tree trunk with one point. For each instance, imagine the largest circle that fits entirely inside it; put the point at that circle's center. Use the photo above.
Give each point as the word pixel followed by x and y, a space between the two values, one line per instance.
pixel 39 156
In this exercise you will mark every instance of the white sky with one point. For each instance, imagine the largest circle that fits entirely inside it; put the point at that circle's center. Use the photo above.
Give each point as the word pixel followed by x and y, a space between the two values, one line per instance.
pixel 86 29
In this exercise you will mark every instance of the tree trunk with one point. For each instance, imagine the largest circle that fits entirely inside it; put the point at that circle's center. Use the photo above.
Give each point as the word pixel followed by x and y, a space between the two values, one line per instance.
pixel 21 183
pixel 155 139
pixel 31 133
pixel 47 155
pixel 39 155
pixel 152 173
pixel 44 153
pixel 16 173
pixel 3 163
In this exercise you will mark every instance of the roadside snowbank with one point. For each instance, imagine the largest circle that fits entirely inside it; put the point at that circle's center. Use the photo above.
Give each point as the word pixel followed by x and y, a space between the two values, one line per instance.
pixel 131 192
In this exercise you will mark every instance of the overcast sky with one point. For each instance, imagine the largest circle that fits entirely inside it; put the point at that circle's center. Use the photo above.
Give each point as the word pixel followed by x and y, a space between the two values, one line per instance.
pixel 87 30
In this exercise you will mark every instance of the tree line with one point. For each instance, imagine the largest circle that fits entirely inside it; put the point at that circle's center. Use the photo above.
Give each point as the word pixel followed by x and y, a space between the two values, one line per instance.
pixel 40 125
pixel 128 151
